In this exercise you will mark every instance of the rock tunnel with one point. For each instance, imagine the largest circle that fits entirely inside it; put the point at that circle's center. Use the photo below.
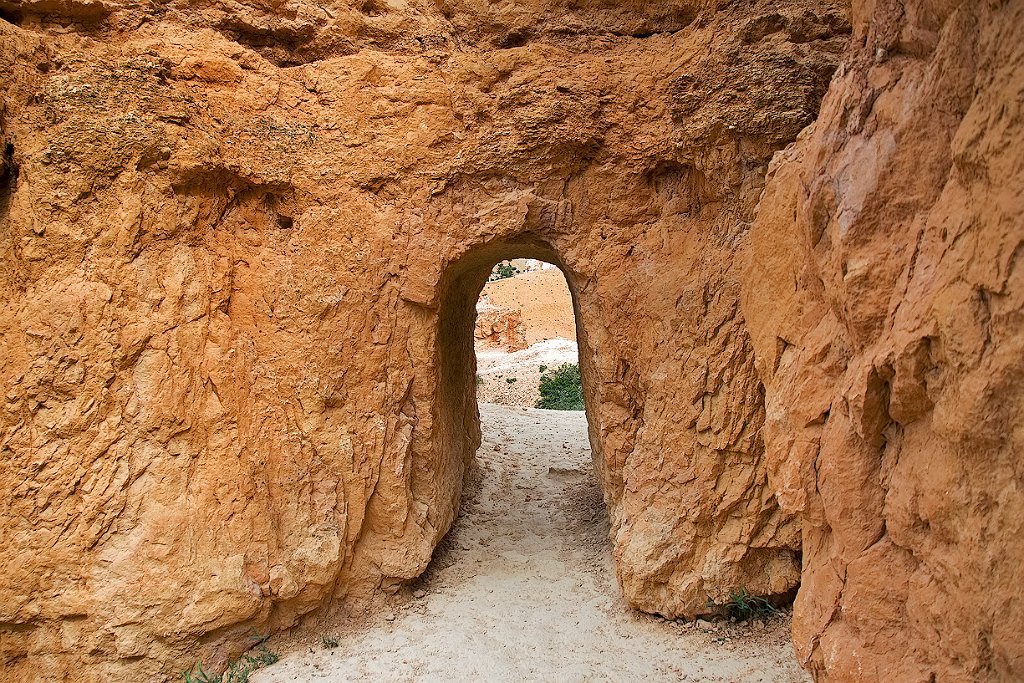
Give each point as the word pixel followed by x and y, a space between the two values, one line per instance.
pixel 460 287
pixel 767 565
pixel 240 255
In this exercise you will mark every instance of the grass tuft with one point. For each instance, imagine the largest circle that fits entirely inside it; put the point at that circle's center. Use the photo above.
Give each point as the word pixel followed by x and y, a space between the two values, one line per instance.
pixel 743 606
pixel 238 671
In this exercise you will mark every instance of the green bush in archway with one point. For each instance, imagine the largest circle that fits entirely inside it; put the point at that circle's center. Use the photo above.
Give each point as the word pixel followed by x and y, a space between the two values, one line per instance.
pixel 561 388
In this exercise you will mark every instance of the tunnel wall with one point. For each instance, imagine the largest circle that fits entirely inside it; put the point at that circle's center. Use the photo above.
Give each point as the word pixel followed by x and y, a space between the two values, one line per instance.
pixel 228 237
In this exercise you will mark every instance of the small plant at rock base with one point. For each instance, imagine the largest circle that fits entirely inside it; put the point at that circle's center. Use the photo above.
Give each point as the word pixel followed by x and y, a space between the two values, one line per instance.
pixel 328 642
pixel 561 389
pixel 512 380
pixel 743 606
pixel 238 671
pixel 197 675
pixel 542 368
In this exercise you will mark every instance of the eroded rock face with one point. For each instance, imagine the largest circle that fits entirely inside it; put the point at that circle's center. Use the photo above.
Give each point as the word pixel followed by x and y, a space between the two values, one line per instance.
pixel 499 327
pixel 242 245
pixel 237 298
pixel 888 327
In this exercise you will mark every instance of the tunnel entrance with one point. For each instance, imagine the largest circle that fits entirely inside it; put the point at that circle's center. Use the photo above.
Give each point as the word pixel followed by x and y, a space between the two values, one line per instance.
pixel 529 550
pixel 523 585
pixel 499 345
pixel 524 278
pixel 458 434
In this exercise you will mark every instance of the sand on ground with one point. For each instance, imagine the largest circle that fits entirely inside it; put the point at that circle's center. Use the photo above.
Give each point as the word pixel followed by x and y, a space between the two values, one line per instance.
pixel 513 379
pixel 544 299
pixel 523 589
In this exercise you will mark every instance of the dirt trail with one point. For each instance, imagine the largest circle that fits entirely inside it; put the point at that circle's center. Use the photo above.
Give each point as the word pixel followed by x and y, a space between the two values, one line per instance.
pixel 523 588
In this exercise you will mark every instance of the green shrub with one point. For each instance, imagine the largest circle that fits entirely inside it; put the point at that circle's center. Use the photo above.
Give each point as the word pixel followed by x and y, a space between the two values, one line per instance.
pixel 502 271
pixel 561 388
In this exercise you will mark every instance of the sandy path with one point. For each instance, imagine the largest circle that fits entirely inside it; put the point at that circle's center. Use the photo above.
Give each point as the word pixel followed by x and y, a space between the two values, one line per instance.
pixel 523 588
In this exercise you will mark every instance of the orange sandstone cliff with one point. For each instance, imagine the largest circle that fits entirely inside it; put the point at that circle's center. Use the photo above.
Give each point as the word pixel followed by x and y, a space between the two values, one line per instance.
pixel 242 244
pixel 885 301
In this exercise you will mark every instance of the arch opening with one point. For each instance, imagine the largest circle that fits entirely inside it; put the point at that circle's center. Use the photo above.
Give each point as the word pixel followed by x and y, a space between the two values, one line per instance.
pixel 459 416
pixel 458 419
pixel 703 555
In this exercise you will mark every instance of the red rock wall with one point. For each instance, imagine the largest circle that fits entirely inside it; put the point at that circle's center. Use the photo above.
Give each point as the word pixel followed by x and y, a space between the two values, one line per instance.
pixel 240 252
pixel 885 300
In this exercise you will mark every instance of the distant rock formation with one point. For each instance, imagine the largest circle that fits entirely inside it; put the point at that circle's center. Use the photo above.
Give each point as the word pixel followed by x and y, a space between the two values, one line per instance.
pixel 499 327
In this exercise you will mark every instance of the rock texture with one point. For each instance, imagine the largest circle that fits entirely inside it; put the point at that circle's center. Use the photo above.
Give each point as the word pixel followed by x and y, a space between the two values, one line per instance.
pixel 543 299
pixel 498 327
pixel 885 299
pixel 242 245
